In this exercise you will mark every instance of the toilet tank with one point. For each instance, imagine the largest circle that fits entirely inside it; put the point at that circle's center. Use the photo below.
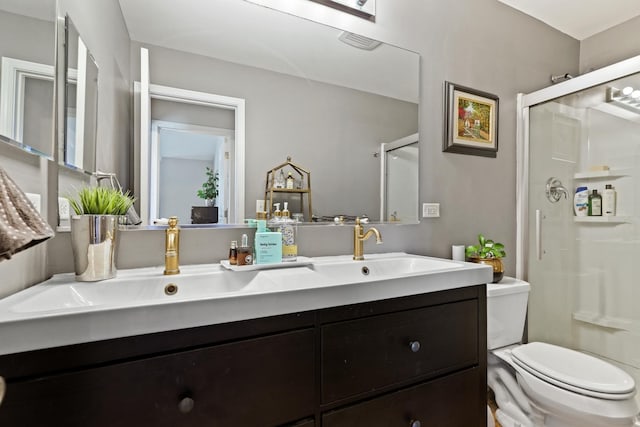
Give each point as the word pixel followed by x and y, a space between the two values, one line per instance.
pixel 506 312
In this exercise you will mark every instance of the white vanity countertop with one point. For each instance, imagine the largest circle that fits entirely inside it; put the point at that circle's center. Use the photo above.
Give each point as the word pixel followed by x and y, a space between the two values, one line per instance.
pixel 62 311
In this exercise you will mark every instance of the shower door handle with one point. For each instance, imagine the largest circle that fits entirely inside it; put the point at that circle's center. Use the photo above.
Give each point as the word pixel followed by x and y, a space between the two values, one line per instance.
pixel 538 234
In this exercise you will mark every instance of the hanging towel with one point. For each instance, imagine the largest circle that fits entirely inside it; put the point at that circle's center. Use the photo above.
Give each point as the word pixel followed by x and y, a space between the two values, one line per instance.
pixel 21 226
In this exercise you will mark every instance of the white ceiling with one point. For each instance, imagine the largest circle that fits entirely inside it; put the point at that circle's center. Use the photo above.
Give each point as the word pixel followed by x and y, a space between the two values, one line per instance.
pixel 579 18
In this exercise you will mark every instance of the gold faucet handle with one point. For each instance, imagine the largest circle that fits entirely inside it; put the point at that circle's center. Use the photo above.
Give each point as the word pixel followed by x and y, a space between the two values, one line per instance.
pixel 173 221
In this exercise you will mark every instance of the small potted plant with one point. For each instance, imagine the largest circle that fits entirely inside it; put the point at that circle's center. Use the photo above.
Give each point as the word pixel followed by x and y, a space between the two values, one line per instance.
pixel 488 252
pixel 209 191
pixel 94 231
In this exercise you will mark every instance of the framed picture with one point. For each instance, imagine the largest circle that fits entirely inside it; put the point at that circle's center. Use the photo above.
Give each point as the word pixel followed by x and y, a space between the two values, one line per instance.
pixel 471 121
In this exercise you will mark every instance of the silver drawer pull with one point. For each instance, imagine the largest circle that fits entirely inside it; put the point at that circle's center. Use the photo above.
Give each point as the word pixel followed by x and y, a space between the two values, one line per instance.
pixel 415 423
pixel 186 405
pixel 3 387
pixel 415 347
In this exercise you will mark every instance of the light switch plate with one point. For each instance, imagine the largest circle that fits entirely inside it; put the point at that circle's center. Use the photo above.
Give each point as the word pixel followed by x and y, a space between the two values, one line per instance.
pixel 430 210
pixel 63 208
pixel 35 201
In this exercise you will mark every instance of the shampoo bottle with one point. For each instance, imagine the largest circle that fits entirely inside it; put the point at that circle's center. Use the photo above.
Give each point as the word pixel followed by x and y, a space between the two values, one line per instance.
pixel 609 201
pixel 595 204
pixel 581 201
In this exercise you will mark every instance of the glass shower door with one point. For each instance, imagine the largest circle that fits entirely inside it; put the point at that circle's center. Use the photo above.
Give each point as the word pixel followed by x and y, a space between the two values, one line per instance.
pixel 583 270
pixel 554 141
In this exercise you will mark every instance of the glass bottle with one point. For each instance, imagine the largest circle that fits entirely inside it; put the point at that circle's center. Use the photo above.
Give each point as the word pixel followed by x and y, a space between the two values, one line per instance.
pixel 280 180
pixel 245 252
pixel 288 227
pixel 595 204
pixel 233 253
pixel 290 181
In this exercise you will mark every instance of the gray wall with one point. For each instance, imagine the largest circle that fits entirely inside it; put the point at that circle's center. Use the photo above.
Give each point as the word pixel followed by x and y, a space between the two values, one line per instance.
pixel 329 130
pixel 611 46
pixel 477 43
pixel 26 38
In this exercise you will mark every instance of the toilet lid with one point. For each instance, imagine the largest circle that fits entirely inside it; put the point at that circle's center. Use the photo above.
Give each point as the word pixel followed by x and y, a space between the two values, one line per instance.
pixel 574 371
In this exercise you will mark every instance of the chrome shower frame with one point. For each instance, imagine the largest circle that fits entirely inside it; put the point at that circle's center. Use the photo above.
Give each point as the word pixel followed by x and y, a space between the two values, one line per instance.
pixel 523 103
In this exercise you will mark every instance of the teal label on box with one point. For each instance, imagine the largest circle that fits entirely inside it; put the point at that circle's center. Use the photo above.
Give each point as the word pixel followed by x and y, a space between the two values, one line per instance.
pixel 268 247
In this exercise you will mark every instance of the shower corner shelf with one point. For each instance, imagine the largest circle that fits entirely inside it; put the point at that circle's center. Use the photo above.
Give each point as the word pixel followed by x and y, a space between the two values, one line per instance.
pixel 605 321
pixel 612 173
pixel 603 219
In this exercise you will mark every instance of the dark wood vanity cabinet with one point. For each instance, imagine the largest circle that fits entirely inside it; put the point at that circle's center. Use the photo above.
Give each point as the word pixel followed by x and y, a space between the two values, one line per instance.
pixel 262 381
pixel 382 363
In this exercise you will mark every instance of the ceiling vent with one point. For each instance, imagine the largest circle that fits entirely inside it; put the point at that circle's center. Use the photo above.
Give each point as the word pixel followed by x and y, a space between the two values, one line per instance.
pixel 361 42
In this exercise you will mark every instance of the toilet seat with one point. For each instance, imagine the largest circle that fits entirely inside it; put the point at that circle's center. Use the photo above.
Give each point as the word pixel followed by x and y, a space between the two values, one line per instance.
pixel 574 371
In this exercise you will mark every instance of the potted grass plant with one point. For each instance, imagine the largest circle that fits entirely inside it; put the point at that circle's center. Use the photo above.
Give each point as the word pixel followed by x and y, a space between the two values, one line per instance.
pixel 94 231
pixel 490 253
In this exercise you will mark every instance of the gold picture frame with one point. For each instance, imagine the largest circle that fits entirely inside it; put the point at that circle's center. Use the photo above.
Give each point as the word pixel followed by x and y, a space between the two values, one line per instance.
pixel 471 121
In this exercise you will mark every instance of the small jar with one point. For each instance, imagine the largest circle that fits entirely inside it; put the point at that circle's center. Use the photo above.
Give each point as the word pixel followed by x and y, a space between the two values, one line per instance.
pixel 245 252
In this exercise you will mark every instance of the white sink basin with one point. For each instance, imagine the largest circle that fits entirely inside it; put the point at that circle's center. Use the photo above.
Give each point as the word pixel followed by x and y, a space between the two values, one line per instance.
pixel 132 291
pixel 199 282
pixel 381 267
pixel 62 311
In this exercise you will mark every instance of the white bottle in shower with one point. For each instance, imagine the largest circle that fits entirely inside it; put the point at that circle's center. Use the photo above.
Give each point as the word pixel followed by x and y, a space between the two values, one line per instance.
pixel 609 201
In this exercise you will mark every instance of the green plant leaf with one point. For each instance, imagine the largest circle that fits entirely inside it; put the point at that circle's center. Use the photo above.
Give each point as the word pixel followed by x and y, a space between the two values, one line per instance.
pixel 100 201
pixel 209 188
pixel 481 239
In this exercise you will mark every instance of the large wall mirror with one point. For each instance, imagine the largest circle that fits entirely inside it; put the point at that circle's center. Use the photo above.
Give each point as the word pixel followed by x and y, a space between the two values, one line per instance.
pixel 324 97
pixel 27 48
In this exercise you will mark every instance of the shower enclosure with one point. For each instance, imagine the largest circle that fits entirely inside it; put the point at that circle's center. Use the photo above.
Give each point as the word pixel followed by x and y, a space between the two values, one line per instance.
pixel 584 290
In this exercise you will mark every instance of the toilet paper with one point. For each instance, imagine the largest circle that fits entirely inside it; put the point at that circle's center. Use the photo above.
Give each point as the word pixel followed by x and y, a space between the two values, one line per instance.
pixel 457 252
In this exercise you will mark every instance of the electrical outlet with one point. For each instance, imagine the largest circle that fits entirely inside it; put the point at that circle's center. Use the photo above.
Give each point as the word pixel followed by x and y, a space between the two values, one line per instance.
pixel 63 208
pixel 35 200
pixel 430 210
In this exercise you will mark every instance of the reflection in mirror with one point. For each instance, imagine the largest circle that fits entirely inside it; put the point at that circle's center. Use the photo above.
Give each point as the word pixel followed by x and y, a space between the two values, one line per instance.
pixel 399 183
pixel 81 102
pixel 190 132
pixel 326 104
pixel 27 44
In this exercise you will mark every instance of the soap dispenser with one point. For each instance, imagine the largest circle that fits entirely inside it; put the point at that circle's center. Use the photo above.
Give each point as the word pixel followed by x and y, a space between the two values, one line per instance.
pixel 276 216
pixel 288 228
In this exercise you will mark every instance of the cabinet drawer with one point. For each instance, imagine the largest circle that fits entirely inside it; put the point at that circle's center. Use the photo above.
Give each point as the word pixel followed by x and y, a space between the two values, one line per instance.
pixel 452 401
pixel 364 355
pixel 260 382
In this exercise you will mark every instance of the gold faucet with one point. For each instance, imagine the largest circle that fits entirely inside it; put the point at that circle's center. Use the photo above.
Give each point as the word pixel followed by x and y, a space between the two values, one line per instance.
pixel 172 247
pixel 359 236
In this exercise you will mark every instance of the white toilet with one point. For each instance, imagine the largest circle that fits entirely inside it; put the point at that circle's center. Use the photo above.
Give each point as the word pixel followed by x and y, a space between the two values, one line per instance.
pixel 539 384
